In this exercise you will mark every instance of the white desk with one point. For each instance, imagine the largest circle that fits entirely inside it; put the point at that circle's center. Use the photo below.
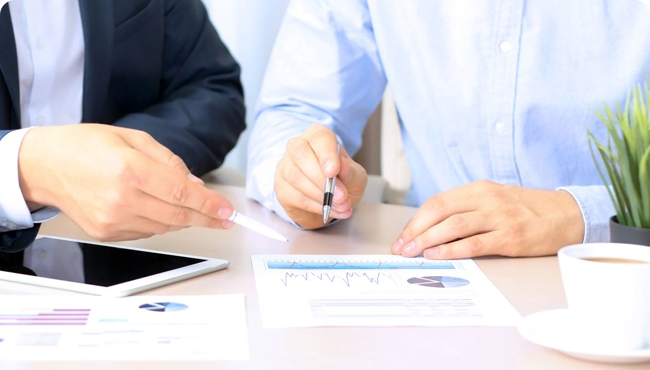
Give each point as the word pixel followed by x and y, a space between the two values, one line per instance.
pixel 531 285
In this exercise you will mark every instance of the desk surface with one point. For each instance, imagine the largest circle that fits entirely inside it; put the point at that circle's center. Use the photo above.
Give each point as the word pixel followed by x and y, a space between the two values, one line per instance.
pixel 530 284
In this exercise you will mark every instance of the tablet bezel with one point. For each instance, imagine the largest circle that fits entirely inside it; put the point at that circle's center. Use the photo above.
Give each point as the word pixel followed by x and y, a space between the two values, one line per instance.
pixel 126 288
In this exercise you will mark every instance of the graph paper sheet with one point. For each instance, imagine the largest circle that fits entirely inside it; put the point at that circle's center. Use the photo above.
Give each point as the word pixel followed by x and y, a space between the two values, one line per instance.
pixel 147 328
pixel 304 291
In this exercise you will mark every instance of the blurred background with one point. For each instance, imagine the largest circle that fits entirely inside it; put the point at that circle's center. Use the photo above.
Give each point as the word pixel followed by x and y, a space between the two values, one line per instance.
pixel 248 28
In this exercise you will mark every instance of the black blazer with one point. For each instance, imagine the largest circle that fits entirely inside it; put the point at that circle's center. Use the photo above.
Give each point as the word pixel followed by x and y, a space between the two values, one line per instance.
pixel 152 65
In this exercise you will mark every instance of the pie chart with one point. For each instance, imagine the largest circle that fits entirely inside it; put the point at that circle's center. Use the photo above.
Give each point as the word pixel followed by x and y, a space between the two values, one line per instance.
pixel 163 307
pixel 438 281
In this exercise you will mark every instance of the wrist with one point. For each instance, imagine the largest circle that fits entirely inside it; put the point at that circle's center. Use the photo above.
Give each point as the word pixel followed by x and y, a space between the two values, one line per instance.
pixel 31 169
pixel 573 218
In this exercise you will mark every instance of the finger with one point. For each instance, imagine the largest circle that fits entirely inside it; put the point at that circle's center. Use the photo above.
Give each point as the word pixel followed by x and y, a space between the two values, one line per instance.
pixel 152 227
pixel 455 227
pixel 175 188
pixel 436 209
pixel 293 175
pixel 106 232
pixel 117 236
pixel 354 177
pixel 174 217
pixel 302 155
pixel 294 199
pixel 147 145
pixel 341 194
pixel 473 246
pixel 195 179
pixel 125 236
pixel 345 163
pixel 324 144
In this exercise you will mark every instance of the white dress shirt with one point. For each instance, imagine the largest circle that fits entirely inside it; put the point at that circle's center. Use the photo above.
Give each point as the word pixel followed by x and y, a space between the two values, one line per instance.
pixel 50 50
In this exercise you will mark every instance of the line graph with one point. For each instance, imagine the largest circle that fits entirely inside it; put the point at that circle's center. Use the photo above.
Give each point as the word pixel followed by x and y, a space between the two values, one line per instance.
pixel 358 265
pixel 372 278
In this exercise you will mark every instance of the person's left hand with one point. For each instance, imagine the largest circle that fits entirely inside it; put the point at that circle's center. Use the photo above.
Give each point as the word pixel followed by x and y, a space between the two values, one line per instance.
pixel 485 218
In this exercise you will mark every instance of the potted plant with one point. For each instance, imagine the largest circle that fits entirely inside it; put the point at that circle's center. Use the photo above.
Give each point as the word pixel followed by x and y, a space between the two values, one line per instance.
pixel 626 158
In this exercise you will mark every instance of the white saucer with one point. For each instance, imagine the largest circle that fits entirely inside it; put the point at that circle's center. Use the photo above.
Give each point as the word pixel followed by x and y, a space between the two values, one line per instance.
pixel 553 329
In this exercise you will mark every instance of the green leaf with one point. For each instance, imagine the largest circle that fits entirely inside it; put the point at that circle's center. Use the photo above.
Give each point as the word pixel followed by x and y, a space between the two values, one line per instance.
pixel 615 201
pixel 645 186
pixel 626 157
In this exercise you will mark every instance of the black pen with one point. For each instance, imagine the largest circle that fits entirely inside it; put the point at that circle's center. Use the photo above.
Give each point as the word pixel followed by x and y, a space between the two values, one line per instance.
pixel 328 196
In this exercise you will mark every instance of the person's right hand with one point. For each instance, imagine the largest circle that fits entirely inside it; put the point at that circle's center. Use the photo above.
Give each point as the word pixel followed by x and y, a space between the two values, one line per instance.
pixel 115 183
pixel 311 159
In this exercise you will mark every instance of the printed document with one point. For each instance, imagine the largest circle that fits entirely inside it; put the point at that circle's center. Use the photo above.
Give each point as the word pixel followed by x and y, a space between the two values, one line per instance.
pixel 147 328
pixel 366 290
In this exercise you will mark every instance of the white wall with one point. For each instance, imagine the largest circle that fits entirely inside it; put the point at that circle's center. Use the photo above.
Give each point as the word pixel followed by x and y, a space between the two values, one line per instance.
pixel 248 28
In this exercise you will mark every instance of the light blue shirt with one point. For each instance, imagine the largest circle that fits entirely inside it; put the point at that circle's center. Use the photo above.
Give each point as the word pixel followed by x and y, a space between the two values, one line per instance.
pixel 498 90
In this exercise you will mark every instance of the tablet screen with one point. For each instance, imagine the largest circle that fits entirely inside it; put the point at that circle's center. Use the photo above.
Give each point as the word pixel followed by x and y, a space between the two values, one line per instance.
pixel 89 263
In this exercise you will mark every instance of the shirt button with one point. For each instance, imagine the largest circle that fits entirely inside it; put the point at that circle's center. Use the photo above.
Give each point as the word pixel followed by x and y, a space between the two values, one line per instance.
pixel 505 46
pixel 11 226
pixel 499 127
pixel 40 120
pixel 40 43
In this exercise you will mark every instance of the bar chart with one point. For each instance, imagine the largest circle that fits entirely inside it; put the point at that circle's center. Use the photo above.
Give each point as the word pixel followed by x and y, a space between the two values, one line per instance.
pixel 359 265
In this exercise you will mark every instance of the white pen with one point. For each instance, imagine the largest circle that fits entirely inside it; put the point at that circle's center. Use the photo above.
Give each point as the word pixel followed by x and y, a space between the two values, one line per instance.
pixel 256 226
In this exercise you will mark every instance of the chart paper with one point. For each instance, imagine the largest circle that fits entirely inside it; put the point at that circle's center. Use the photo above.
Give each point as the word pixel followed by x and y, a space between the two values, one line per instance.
pixel 141 328
pixel 366 290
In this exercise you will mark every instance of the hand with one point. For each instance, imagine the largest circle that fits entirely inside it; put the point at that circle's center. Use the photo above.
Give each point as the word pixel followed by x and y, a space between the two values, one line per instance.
pixel 311 159
pixel 484 218
pixel 115 183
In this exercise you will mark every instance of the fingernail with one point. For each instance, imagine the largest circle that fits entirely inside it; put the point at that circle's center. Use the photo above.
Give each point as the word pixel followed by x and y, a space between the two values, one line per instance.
pixel 346 214
pixel 431 252
pixel 195 179
pixel 342 207
pixel 329 167
pixel 397 245
pixel 227 224
pixel 224 213
pixel 338 195
pixel 409 248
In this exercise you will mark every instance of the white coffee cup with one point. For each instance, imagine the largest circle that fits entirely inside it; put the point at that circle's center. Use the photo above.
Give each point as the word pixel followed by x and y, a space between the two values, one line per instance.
pixel 609 302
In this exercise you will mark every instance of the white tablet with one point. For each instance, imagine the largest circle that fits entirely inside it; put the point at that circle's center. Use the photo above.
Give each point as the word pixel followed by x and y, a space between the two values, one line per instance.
pixel 101 269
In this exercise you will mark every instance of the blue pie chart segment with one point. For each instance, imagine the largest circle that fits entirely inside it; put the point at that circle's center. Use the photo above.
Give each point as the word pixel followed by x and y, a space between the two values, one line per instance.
pixel 438 281
pixel 163 307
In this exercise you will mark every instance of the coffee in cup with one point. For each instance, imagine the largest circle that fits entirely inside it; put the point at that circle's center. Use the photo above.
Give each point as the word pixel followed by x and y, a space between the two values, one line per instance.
pixel 612 260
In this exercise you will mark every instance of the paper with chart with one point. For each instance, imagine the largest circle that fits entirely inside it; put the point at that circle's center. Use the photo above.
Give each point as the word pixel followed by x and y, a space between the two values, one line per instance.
pixel 302 291
pixel 147 328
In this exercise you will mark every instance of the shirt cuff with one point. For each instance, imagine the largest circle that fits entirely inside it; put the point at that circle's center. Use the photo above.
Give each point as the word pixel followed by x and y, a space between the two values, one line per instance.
pixel 279 210
pixel 14 213
pixel 45 214
pixel 596 207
